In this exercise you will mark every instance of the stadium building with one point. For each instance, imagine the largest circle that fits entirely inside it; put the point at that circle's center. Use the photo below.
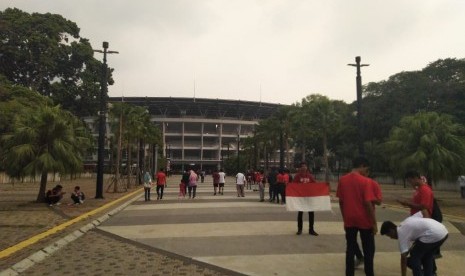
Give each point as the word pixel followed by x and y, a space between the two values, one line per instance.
pixel 201 132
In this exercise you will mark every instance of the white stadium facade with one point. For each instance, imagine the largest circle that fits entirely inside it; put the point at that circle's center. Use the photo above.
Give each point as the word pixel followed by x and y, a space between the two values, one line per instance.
pixel 200 132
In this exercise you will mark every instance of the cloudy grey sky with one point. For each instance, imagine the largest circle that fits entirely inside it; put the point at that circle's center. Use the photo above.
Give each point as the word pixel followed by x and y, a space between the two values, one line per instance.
pixel 276 51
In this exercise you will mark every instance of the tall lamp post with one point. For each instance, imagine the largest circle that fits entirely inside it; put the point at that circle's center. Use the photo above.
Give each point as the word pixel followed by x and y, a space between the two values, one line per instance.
pixel 102 117
pixel 361 148
pixel 238 147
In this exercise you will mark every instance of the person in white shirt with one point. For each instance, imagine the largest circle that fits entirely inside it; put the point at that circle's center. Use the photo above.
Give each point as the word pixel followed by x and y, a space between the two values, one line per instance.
pixel 461 183
pixel 418 237
pixel 240 181
pixel 221 182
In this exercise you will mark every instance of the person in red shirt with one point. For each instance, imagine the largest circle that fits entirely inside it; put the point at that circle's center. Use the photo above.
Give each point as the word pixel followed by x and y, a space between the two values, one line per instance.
pixel 304 176
pixel 161 182
pixel 359 259
pixel 216 181
pixel 282 179
pixel 356 196
pixel 422 200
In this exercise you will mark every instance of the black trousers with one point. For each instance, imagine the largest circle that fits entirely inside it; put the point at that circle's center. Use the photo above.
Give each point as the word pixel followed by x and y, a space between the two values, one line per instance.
pixel 147 194
pixel 311 220
pixel 368 246
pixel 192 190
pixel 282 191
pixel 160 189
pixel 421 259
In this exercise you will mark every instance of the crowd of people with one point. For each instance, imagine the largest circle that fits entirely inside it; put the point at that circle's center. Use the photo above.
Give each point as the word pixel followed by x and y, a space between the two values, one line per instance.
pixel 419 236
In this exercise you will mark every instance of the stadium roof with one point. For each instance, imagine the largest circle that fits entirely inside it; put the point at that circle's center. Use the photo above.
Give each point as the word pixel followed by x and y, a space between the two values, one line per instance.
pixel 170 107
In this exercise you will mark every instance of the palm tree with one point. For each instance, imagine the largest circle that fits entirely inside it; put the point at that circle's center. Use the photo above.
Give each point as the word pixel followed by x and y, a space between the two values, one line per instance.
pixel 45 140
pixel 430 143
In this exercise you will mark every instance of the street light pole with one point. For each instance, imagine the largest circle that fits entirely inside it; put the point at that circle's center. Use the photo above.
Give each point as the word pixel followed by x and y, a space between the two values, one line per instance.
pixel 102 121
pixel 361 148
pixel 238 149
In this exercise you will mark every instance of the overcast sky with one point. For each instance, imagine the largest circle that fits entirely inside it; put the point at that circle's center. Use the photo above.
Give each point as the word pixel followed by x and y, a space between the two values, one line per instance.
pixel 276 51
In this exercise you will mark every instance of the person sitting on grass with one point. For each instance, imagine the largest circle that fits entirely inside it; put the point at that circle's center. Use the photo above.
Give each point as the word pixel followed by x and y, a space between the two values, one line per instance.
pixel 53 196
pixel 78 196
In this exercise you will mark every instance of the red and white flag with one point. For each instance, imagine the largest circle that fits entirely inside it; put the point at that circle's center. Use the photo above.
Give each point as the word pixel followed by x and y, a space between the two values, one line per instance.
pixel 308 197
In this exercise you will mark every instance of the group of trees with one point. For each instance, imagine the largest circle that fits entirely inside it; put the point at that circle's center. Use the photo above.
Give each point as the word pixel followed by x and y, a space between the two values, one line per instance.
pixel 49 79
pixel 132 131
pixel 413 120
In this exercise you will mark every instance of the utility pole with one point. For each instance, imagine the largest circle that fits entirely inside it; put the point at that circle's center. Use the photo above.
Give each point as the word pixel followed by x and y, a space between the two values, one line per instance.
pixel 361 137
pixel 102 119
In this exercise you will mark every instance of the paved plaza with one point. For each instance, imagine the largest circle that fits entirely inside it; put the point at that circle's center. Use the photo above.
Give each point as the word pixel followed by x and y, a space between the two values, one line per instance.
pixel 225 235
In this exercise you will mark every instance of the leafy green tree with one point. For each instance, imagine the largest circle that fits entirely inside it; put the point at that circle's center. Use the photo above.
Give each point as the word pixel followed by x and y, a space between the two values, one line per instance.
pixel 45 53
pixel 42 141
pixel 431 143
pixel 322 121
pixel 439 87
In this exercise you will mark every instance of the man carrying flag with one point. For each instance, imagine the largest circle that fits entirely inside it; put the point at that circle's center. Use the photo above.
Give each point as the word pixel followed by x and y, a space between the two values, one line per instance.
pixel 304 194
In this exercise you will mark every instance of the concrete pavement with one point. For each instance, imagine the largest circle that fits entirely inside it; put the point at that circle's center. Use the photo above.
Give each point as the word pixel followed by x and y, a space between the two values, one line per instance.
pixel 224 235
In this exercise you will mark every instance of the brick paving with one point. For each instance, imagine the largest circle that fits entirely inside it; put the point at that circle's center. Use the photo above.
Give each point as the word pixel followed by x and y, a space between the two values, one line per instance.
pixel 101 253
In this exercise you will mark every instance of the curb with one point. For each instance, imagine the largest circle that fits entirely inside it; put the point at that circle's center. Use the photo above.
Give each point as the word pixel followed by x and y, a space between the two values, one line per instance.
pixel 47 251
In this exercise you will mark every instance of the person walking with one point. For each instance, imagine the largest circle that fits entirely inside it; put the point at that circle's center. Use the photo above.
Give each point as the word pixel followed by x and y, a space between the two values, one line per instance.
pixel 271 178
pixel 161 183
pixel 356 196
pixel 240 182
pixel 261 186
pixel 147 185
pixel 426 235
pixel 304 177
pixel 192 187
pixel 461 184
pixel 216 181
pixel 222 181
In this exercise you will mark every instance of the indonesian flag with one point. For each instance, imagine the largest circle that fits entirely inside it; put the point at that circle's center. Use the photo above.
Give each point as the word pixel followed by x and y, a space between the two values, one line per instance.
pixel 308 197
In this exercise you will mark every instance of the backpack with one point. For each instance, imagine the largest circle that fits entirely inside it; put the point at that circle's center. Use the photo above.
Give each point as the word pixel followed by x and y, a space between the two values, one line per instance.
pixel 436 214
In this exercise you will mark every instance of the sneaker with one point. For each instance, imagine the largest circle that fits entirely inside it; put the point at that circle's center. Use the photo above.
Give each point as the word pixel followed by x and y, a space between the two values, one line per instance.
pixel 299 232
pixel 58 203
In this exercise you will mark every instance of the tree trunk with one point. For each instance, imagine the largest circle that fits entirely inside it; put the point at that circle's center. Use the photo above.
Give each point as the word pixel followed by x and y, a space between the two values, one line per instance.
pixel 43 186
pixel 129 165
pixel 325 157
pixel 288 154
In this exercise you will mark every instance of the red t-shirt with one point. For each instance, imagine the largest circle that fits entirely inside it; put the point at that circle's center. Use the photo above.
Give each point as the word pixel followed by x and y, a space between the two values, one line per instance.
pixel 216 178
pixel 306 177
pixel 353 191
pixel 281 179
pixel 161 178
pixel 423 195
